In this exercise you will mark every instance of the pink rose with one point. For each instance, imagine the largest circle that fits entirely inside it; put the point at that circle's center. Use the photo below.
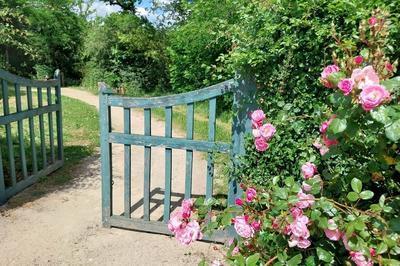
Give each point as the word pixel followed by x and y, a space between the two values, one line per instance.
pixel 324 126
pixel 306 187
pixel 346 86
pixel 358 60
pixel 239 201
pixel 372 251
pixel 298 227
pixel 365 76
pixel 175 222
pixel 256 225
pixel 389 66
pixel 358 258
pixel 333 235
pixel 308 170
pixel 329 142
pixel 286 230
pixel 251 194
pixel 256 133
pixel 275 224
pixel 322 148
pixel 345 242
pixel 267 131
pixel 187 206
pixel 296 212
pixel 261 144
pixel 257 118
pixel 300 242
pixel 372 96
pixel 242 228
pixel 372 21
pixel 305 200
pixel 235 251
pixel 326 73
pixel 190 233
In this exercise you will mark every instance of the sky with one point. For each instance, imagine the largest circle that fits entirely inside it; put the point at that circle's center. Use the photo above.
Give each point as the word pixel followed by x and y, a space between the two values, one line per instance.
pixel 103 9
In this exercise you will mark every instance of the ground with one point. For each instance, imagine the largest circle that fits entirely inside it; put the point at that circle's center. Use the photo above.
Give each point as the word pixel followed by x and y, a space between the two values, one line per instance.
pixel 64 227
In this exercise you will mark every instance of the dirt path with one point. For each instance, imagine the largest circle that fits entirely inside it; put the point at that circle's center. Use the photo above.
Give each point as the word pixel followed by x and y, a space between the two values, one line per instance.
pixel 64 227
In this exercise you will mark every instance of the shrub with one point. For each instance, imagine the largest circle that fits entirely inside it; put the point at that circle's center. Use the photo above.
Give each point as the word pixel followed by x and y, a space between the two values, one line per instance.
pixel 341 209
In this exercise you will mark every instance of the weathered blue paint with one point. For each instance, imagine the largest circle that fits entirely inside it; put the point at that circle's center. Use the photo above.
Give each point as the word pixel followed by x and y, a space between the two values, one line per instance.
pixel 32 131
pixel 127 165
pixel 243 90
pixel 147 166
pixel 168 164
pixel 212 118
pixel 189 153
pixel 51 129
pixel 7 191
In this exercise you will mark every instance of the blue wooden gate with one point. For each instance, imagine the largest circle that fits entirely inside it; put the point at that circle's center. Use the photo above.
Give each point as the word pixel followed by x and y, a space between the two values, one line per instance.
pixel 243 90
pixel 21 161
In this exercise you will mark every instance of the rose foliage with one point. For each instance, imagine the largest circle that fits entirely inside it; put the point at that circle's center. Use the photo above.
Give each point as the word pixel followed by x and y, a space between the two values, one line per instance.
pixel 319 217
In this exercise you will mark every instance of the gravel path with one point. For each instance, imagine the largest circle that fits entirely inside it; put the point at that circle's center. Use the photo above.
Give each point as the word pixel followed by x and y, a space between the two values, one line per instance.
pixel 63 227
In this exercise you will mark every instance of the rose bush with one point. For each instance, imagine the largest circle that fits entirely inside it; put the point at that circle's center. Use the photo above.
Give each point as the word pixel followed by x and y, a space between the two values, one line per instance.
pixel 327 214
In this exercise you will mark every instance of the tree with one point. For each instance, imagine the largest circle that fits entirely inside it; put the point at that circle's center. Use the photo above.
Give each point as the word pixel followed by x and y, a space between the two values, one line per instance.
pixel 83 7
pixel 126 5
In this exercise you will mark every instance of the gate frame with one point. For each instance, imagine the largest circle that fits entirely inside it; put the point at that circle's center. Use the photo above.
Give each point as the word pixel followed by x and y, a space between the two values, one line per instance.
pixel 57 157
pixel 243 88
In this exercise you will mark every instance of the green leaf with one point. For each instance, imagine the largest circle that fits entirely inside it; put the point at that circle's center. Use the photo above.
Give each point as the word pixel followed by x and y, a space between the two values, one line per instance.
pixel 381 248
pixel 310 261
pixel 334 78
pixel 381 115
pixel 296 260
pixel 356 185
pixel 252 260
pixel 202 263
pixel 382 199
pixel 352 196
pixel 367 194
pixel 397 167
pixel 324 255
pixel 338 126
pixel 393 131
pixel 392 84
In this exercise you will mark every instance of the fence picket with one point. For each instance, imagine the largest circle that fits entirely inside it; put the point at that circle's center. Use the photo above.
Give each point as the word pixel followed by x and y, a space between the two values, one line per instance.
pixel 10 181
pixel 168 164
pixel 10 146
pixel 127 165
pixel 32 131
pixel 212 108
pixel 147 166
pixel 41 129
pixel 60 145
pixel 21 132
pixel 189 153
pixel 51 129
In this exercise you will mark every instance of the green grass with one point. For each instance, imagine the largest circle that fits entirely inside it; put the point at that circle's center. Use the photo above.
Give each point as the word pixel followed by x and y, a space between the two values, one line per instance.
pixel 81 137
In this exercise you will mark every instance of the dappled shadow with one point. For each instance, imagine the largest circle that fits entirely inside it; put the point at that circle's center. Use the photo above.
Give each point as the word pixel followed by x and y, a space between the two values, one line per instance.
pixel 80 171
pixel 157 201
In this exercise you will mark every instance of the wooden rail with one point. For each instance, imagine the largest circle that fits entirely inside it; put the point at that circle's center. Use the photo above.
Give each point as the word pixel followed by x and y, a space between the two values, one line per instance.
pixel 243 90
pixel 13 179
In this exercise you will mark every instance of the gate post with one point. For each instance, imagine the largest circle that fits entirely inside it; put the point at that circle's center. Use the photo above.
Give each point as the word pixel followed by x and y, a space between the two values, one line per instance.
pixel 105 154
pixel 60 145
pixel 244 102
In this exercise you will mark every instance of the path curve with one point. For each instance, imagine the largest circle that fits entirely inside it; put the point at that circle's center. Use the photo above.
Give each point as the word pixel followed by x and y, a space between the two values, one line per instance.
pixel 64 226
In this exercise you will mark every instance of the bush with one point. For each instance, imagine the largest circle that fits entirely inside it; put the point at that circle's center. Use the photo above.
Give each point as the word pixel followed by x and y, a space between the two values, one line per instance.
pixel 344 208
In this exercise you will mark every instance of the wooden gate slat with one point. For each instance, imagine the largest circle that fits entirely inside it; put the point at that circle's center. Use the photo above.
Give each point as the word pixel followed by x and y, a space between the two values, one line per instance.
pixel 189 153
pixel 51 129
pixel 168 164
pixel 147 166
pixel 41 129
pixel 32 131
pixel 212 108
pixel 21 132
pixel 60 145
pixel 10 146
pixel 127 165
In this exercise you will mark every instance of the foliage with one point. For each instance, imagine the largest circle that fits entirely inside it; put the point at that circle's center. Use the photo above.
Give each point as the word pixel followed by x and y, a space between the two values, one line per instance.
pixel 343 211
pixel 126 52
pixel 40 32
